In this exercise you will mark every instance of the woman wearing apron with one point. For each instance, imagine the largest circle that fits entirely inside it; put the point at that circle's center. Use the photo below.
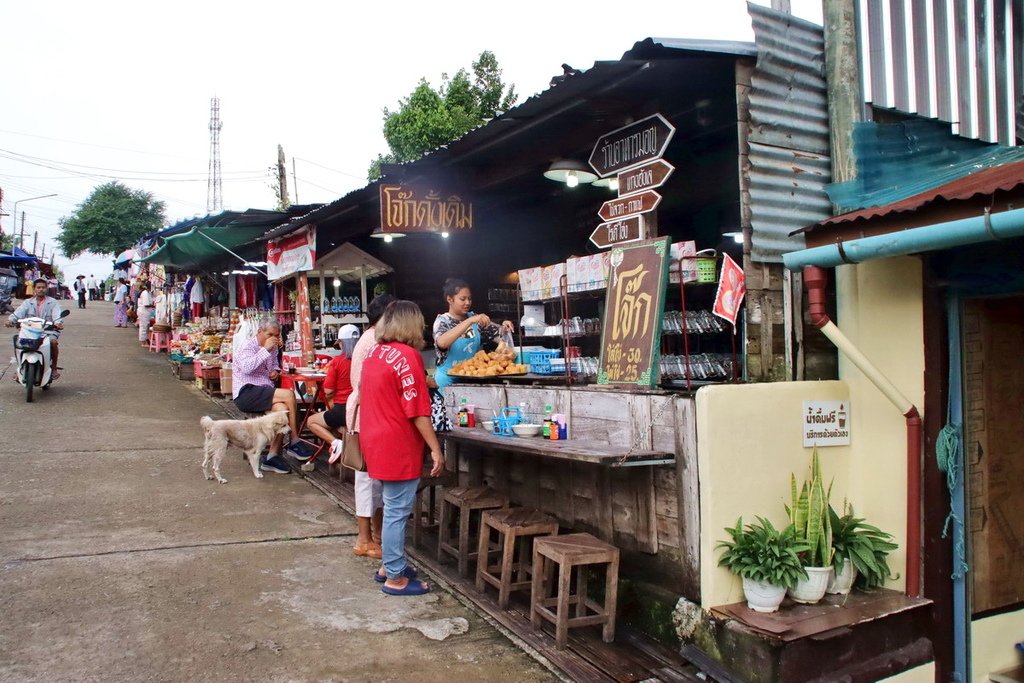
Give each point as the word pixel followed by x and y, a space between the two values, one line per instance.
pixel 459 333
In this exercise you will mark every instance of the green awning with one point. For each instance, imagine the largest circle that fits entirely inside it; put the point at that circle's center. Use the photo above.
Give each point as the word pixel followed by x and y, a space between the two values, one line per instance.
pixel 194 250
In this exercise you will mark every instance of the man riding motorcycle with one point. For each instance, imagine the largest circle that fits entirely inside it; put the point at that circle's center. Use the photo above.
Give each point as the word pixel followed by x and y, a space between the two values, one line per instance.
pixel 47 308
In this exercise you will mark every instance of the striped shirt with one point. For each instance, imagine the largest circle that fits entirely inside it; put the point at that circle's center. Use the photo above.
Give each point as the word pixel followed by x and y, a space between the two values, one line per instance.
pixel 252 364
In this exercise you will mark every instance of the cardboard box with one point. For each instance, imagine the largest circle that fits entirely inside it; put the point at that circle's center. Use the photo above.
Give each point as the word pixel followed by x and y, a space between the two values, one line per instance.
pixel 530 284
pixel 551 280
pixel 689 266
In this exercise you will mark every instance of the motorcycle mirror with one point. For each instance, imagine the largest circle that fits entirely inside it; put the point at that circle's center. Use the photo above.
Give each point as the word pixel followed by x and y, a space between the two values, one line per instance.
pixel 65 313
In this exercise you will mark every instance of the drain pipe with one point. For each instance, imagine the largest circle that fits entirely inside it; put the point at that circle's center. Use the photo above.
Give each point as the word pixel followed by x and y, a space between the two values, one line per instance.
pixel 815 279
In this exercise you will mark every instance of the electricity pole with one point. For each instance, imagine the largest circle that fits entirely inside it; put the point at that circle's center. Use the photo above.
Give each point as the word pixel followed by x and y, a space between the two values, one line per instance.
pixel 282 179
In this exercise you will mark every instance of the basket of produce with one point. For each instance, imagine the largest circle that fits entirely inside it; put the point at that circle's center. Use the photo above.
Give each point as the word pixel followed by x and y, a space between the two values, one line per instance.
pixel 497 363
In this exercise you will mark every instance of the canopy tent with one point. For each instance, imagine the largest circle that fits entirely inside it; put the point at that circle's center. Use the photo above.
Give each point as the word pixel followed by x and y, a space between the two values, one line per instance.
pixel 17 255
pixel 124 258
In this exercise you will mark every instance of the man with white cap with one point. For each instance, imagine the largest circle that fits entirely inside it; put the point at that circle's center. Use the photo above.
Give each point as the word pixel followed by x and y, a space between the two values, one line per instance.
pixel 337 388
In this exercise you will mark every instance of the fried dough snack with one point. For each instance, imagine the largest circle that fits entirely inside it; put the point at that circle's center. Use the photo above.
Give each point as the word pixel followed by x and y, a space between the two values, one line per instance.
pixel 493 364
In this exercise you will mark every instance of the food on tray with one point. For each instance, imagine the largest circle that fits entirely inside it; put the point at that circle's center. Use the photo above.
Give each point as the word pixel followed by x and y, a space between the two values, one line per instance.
pixel 493 364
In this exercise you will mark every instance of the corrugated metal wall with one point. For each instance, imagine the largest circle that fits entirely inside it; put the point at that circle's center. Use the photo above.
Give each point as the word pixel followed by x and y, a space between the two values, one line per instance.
pixel 959 61
pixel 789 163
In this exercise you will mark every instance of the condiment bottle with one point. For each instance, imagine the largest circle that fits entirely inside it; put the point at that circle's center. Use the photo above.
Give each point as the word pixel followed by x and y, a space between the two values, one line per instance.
pixel 463 415
pixel 553 428
pixel 470 415
pixel 546 430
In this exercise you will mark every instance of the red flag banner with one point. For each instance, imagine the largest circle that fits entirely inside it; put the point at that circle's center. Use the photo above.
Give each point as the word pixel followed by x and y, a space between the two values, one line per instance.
pixel 732 286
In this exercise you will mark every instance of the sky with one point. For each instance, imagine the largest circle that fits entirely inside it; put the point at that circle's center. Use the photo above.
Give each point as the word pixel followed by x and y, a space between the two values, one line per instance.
pixel 121 90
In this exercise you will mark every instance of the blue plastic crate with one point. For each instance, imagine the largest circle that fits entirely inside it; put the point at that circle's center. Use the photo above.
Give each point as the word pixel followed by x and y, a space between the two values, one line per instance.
pixel 540 361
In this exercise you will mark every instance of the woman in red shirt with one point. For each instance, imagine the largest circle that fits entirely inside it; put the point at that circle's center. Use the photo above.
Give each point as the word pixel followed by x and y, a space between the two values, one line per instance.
pixel 394 426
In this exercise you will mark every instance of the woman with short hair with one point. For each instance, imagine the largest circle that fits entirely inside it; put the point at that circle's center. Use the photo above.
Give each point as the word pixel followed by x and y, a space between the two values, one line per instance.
pixel 394 427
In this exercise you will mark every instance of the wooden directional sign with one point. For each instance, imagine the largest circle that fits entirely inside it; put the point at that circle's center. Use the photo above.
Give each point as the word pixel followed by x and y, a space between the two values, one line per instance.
pixel 613 233
pixel 631 145
pixel 638 203
pixel 646 177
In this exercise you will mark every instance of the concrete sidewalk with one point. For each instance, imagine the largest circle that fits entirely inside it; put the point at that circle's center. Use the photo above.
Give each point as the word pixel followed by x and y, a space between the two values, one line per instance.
pixel 121 562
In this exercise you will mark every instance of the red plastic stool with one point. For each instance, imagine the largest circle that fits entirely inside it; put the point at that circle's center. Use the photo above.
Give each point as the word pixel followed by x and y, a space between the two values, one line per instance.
pixel 159 341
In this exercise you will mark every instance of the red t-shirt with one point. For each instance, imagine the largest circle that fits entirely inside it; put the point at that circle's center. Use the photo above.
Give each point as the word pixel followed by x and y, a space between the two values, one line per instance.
pixel 339 379
pixel 392 391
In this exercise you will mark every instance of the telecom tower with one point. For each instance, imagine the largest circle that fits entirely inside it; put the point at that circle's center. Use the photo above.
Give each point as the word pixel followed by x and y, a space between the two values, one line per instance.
pixel 214 187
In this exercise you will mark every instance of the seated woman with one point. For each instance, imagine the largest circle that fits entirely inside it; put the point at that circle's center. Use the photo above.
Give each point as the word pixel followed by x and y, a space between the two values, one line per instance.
pixel 330 424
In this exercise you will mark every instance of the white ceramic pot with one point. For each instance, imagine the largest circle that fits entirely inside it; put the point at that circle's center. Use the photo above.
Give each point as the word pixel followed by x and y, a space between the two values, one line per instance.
pixel 841 583
pixel 762 596
pixel 811 589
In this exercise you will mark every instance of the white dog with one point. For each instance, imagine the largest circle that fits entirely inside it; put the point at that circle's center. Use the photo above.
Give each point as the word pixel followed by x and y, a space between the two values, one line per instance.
pixel 252 436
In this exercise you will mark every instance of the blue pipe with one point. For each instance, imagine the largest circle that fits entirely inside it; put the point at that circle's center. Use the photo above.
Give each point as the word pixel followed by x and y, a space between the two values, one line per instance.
pixel 984 228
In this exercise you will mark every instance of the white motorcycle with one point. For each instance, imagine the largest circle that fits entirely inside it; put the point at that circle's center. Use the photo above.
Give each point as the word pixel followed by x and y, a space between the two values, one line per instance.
pixel 32 353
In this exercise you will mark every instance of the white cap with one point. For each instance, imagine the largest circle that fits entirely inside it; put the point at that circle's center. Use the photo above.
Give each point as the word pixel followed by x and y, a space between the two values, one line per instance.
pixel 348 332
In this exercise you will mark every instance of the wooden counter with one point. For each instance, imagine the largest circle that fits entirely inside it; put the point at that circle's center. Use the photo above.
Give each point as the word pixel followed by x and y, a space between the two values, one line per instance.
pixel 592 452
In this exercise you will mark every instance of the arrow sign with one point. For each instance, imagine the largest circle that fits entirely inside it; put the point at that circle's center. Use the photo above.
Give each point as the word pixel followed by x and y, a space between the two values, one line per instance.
pixel 647 177
pixel 637 203
pixel 631 145
pixel 612 233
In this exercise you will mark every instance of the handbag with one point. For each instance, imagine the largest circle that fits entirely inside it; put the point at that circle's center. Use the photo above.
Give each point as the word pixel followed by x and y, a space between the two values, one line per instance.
pixel 351 454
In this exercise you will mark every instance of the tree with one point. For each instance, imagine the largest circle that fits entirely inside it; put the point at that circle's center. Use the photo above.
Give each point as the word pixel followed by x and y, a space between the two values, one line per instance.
pixel 112 219
pixel 6 242
pixel 429 118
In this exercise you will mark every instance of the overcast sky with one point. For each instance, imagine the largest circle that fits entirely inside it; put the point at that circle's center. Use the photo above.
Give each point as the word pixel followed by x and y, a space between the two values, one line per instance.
pixel 121 90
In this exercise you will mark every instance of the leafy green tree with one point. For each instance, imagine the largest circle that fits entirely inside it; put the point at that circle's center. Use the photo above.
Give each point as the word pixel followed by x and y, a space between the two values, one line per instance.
pixel 429 118
pixel 6 242
pixel 112 219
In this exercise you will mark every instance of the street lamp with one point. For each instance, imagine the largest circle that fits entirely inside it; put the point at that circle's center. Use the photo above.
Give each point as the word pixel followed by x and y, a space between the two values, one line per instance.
pixel 14 224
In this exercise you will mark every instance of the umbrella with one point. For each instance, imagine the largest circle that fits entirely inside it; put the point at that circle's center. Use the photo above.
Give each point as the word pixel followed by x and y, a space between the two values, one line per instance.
pixel 124 258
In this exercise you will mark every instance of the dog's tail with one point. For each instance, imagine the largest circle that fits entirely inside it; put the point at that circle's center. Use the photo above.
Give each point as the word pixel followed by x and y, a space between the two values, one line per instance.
pixel 206 422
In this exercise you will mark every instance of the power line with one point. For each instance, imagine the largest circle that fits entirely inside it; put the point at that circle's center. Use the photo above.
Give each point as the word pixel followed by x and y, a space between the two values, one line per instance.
pixel 333 170
pixel 16 156
pixel 90 144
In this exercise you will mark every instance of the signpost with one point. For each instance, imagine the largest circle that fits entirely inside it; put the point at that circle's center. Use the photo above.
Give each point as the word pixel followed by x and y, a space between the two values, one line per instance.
pixel 645 177
pixel 629 229
pixel 631 335
pixel 632 145
pixel 638 203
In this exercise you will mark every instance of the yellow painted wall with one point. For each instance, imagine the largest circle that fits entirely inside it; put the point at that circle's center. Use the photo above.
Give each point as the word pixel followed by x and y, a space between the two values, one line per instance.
pixel 880 309
pixel 992 642
pixel 749 440
pixel 921 674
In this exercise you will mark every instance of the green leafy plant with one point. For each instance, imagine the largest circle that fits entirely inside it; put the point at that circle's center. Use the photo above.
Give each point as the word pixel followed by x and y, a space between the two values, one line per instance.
pixel 763 553
pixel 866 546
pixel 808 513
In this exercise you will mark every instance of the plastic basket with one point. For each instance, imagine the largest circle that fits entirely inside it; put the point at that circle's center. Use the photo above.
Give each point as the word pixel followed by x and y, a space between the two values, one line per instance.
pixel 707 266
pixel 540 361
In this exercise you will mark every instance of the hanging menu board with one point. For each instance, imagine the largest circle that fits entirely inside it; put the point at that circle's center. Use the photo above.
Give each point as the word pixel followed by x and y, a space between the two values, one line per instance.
pixel 631 337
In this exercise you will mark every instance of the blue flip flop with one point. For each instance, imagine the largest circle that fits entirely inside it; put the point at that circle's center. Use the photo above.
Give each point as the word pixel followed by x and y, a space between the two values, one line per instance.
pixel 414 587
pixel 408 572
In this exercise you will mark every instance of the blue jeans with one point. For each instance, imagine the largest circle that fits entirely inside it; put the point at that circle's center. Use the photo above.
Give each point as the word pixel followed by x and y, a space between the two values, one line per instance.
pixel 399 497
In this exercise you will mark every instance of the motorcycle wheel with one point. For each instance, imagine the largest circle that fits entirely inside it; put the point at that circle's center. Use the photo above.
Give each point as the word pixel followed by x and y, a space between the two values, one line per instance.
pixel 30 381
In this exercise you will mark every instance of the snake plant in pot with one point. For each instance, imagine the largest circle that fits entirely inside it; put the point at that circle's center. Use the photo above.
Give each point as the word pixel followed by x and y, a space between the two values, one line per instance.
pixel 860 549
pixel 809 515
pixel 766 559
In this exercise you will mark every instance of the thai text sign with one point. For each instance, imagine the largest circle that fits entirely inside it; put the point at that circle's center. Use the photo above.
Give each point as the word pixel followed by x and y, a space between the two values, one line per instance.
pixel 634 306
pixel 405 208
pixel 629 229
pixel 646 177
pixel 292 254
pixel 624 206
pixel 631 145
pixel 826 423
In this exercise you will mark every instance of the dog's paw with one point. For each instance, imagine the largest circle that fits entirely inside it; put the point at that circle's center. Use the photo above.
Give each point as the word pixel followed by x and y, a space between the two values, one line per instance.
pixel 208 476
pixel 259 475
pixel 222 480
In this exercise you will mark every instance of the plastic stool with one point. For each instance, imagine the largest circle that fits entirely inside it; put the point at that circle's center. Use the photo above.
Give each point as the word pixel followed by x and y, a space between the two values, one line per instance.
pixel 159 341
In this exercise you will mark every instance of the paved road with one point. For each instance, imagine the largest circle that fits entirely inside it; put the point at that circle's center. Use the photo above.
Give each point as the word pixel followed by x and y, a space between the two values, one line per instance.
pixel 119 561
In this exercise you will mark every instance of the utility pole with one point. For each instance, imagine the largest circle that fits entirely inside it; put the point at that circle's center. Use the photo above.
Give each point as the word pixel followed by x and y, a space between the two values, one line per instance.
pixel 21 240
pixel 842 73
pixel 35 243
pixel 282 179
pixel 214 186
pixel 295 182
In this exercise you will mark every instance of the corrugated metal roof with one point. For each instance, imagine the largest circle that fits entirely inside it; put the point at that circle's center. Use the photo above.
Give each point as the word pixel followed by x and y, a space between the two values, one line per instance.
pixel 985 182
pixel 647 48
pixel 789 135
pixel 900 160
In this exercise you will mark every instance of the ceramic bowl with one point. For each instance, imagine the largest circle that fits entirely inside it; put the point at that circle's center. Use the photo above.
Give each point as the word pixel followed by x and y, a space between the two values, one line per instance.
pixel 526 429
pixel 487 425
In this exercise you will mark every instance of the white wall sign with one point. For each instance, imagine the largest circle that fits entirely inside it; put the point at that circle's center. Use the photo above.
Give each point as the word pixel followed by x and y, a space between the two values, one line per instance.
pixel 826 423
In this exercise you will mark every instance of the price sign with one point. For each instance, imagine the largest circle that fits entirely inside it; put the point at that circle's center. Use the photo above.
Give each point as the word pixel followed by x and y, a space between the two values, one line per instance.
pixel 635 303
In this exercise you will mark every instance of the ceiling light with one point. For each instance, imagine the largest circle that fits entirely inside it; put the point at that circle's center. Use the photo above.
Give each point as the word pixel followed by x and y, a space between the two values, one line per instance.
pixel 611 182
pixel 444 234
pixel 736 235
pixel 570 172
pixel 386 236
pixel 336 283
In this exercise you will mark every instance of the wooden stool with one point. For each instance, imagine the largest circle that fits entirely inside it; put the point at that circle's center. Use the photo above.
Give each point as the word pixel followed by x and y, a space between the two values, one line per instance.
pixel 513 524
pixel 573 550
pixel 424 515
pixel 159 341
pixel 467 499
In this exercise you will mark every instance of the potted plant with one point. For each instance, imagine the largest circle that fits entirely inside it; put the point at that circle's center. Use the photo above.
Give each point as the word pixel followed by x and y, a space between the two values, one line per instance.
pixel 860 549
pixel 809 515
pixel 766 559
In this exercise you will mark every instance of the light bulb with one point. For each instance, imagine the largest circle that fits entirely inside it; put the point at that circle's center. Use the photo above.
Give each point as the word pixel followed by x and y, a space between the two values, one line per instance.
pixel 444 234
pixel 387 239
pixel 613 184
pixel 337 283
pixel 571 180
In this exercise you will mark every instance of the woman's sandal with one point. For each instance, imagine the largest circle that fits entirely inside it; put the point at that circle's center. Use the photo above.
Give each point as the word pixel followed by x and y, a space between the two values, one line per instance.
pixel 412 588
pixel 368 550
pixel 408 572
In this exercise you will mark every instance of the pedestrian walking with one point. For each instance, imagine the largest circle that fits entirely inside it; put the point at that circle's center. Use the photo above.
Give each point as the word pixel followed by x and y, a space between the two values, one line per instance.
pixel 80 290
pixel 90 286
pixel 121 304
